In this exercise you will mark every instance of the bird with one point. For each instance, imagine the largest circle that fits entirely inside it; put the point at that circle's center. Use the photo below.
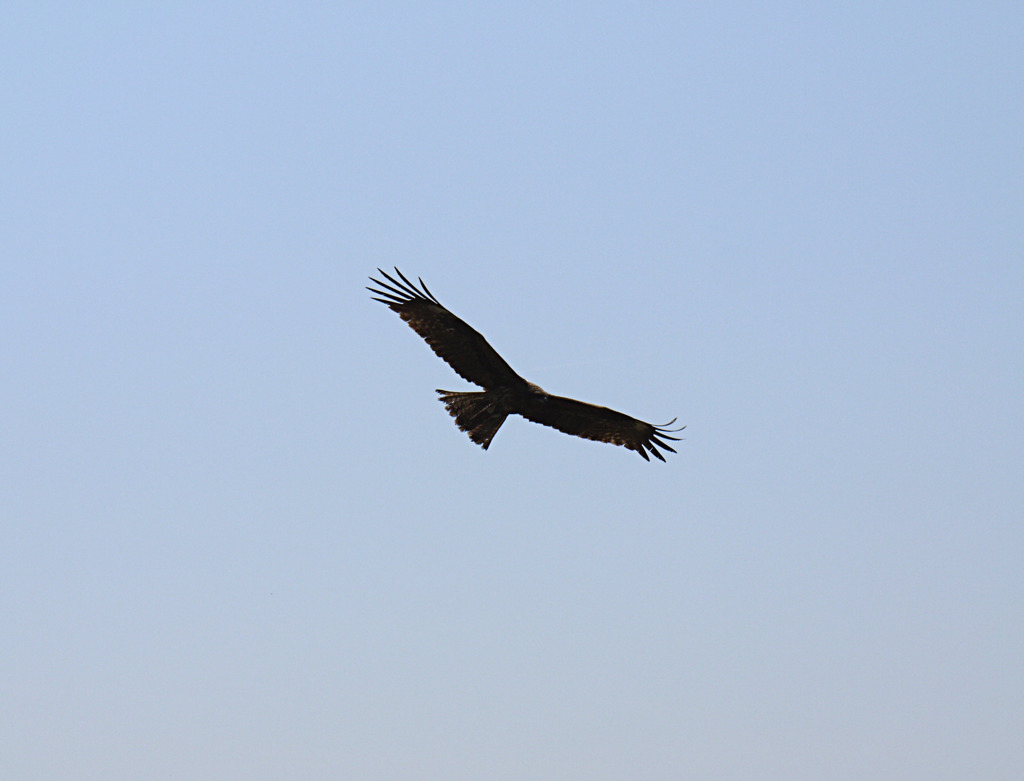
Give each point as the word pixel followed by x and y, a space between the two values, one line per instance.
pixel 481 413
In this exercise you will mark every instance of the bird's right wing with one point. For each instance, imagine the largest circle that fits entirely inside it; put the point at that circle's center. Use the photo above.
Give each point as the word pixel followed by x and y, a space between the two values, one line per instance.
pixel 454 342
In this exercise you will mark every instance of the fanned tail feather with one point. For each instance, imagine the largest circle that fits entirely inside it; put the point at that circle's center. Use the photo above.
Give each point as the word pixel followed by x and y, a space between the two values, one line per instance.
pixel 475 413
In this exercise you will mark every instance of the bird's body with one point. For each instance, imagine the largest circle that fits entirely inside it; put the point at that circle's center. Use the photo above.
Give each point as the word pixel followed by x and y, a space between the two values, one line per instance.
pixel 481 413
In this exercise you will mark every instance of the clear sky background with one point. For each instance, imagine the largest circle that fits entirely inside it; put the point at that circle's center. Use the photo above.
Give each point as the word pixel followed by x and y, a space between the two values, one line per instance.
pixel 241 538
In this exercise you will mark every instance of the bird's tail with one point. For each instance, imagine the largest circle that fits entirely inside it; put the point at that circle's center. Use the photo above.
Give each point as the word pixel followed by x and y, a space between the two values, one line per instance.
pixel 475 413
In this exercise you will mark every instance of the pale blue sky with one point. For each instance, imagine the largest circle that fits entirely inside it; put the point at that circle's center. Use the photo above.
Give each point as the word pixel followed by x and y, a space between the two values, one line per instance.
pixel 242 539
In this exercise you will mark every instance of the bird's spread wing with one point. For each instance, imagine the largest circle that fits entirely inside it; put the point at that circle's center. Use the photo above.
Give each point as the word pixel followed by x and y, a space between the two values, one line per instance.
pixel 600 423
pixel 455 342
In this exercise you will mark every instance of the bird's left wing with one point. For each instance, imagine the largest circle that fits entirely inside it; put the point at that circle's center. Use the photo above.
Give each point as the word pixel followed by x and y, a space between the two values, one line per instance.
pixel 600 423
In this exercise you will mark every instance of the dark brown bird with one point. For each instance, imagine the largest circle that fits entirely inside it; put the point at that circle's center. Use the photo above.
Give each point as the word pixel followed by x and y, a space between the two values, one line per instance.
pixel 481 413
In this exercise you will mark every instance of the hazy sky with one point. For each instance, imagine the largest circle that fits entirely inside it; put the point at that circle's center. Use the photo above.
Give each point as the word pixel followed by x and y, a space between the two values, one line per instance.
pixel 240 537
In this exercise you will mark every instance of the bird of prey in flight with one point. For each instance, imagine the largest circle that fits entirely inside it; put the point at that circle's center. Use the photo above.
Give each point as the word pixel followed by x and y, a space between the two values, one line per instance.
pixel 481 413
